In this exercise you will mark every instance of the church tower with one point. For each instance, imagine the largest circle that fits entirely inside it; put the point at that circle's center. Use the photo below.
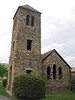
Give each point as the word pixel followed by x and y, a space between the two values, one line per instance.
pixel 25 56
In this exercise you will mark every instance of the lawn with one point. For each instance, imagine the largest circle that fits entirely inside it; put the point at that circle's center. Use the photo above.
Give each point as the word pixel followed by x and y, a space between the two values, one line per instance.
pixel 51 96
pixel 60 96
pixel 3 89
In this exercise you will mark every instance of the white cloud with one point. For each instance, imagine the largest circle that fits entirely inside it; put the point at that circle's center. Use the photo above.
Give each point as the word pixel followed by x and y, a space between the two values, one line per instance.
pixel 70 60
pixel 58 25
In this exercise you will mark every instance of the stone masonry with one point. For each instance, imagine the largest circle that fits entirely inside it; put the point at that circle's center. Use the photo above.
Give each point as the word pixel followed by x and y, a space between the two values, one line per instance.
pixel 25 56
pixel 53 58
pixel 21 59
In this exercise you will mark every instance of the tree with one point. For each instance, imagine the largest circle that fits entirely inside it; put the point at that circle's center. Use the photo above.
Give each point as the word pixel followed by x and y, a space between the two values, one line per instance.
pixel 3 70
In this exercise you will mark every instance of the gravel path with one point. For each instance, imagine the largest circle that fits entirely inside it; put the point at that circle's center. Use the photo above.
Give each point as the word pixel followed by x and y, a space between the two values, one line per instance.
pixel 4 98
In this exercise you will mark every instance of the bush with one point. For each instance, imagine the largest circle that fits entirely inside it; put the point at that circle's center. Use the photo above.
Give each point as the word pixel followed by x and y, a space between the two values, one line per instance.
pixel 73 83
pixel 4 82
pixel 29 87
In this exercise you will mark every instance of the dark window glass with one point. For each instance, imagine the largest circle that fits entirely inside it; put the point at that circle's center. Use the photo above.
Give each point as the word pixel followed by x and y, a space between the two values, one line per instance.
pixel 27 19
pixel 54 71
pixel 60 72
pixel 28 71
pixel 29 43
pixel 32 21
pixel 48 72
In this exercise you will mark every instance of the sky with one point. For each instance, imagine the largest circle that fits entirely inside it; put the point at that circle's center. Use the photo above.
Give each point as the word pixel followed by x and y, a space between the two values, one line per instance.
pixel 57 26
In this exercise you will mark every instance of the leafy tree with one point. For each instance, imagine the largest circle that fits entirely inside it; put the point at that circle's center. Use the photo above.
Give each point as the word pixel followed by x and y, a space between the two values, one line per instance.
pixel 3 70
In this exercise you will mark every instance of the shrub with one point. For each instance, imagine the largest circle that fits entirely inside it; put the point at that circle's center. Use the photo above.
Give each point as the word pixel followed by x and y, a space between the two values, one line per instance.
pixel 29 87
pixel 73 83
pixel 4 82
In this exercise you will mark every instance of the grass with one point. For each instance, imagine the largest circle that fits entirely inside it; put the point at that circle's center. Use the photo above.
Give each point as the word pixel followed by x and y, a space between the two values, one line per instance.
pixel 52 96
pixel 60 96
pixel 3 89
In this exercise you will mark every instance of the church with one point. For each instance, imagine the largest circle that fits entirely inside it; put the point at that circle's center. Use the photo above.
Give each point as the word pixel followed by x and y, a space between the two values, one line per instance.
pixel 26 57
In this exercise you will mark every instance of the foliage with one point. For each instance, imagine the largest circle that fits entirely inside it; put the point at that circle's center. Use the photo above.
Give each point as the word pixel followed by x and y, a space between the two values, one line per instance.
pixel 29 87
pixel 60 96
pixel 3 89
pixel 4 82
pixel 3 70
pixel 73 83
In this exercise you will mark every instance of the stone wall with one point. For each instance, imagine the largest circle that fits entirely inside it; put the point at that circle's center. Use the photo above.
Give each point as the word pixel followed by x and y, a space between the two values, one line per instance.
pixel 21 58
pixel 56 84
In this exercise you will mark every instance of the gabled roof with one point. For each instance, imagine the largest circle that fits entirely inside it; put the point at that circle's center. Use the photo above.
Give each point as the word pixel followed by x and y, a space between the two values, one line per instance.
pixel 30 8
pixel 26 7
pixel 45 55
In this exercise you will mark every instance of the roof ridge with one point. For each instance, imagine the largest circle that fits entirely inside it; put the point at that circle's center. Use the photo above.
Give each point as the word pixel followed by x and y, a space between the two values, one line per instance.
pixel 29 7
pixel 45 55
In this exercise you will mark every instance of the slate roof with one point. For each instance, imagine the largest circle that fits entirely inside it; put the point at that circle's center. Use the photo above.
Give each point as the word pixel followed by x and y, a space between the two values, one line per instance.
pixel 45 55
pixel 29 7
pixel 26 7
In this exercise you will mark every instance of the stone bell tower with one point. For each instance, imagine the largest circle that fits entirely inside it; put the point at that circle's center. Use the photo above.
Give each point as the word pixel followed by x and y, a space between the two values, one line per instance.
pixel 25 56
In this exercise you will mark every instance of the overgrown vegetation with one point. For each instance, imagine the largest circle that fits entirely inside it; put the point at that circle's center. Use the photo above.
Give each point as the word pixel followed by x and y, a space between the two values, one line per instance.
pixel 73 83
pixel 4 82
pixel 29 87
pixel 2 88
pixel 3 70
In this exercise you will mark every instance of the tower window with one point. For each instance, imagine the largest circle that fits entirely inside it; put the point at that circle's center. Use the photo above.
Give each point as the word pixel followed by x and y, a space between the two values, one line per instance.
pixel 48 72
pixel 54 71
pixel 32 21
pixel 28 71
pixel 27 19
pixel 60 72
pixel 29 43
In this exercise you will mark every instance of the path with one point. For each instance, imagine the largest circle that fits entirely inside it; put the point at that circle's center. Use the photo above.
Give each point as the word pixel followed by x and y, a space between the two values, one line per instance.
pixel 4 98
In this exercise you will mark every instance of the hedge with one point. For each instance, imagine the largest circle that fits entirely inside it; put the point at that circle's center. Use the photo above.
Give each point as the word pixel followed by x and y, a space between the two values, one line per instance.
pixel 73 83
pixel 27 86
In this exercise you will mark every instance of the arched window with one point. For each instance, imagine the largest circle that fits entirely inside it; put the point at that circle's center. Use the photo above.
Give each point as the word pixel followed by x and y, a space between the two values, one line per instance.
pixel 32 21
pixel 28 70
pixel 27 19
pixel 48 72
pixel 60 72
pixel 54 71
